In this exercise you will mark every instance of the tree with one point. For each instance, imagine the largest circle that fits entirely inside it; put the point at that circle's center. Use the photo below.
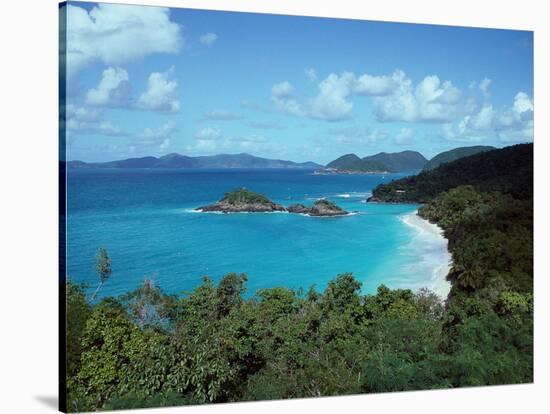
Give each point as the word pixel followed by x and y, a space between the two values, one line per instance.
pixel 103 268
pixel 229 292
pixel 78 311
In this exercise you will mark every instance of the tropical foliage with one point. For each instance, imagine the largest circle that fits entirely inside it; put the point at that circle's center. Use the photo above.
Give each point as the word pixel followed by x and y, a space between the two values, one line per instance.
pixel 218 344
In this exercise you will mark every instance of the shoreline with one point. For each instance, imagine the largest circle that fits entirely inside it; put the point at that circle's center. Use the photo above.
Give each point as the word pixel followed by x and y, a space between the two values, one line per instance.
pixel 439 283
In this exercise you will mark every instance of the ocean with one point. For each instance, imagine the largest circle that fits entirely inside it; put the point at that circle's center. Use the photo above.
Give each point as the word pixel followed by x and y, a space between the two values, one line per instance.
pixel 145 219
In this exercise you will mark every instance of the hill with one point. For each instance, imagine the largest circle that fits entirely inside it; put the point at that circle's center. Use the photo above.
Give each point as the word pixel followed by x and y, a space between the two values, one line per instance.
pixel 508 170
pixel 399 161
pixel 345 161
pixel 182 161
pixel 455 154
pixel 383 161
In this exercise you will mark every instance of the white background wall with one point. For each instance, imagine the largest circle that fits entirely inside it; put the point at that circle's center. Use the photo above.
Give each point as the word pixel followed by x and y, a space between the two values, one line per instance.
pixel 28 202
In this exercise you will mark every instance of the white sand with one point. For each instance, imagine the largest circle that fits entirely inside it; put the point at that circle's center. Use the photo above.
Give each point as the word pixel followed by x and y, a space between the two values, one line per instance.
pixel 432 247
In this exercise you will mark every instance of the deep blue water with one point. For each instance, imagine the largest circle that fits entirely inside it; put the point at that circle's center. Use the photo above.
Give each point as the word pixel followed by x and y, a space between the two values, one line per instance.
pixel 144 219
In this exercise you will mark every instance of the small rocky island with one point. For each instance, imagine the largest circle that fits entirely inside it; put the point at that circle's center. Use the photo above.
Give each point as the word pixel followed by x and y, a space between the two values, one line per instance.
pixel 246 201
pixel 243 200
pixel 321 208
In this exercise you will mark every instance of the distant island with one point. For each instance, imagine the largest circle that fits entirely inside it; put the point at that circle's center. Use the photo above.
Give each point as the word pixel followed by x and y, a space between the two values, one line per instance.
pixel 241 201
pixel 178 161
pixel 320 208
pixel 246 201
pixel 381 163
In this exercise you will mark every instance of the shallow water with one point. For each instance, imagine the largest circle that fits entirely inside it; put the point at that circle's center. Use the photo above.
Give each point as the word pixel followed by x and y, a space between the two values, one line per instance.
pixel 145 220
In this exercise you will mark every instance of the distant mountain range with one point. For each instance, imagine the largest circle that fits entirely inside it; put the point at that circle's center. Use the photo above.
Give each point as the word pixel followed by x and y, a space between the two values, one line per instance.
pixel 455 154
pixel 383 161
pixel 183 161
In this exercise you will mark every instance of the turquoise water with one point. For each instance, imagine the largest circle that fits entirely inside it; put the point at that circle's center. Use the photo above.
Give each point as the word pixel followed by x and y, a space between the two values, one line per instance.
pixel 145 220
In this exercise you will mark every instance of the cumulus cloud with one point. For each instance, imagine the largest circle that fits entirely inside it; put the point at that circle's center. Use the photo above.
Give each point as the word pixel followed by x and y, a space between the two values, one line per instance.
pixel 484 87
pixel 83 121
pixel 282 96
pixel 311 74
pixel 112 90
pixel 282 90
pixel 212 140
pixel 431 101
pixel 208 134
pixel 331 102
pixel 395 98
pixel 404 137
pixel 161 93
pixel 208 39
pixel 512 124
pixel 115 34
pixel 151 137
pixel 222 115
pixel 358 135
pixel 378 85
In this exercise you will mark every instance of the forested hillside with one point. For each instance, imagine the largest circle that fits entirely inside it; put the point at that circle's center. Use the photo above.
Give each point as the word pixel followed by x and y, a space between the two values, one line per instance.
pixel 214 344
pixel 455 154
pixel 508 170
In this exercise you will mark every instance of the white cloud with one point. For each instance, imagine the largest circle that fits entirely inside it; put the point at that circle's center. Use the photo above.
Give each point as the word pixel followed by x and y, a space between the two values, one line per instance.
pixel 311 74
pixel 331 102
pixel 282 90
pixel 222 115
pixel 395 98
pixel 522 103
pixel 282 96
pixel 358 136
pixel 208 39
pixel 161 93
pixel 378 85
pixel 513 124
pixel 151 137
pixel 431 101
pixel 82 121
pixel 115 34
pixel 484 87
pixel 208 134
pixel 112 90
pixel 404 137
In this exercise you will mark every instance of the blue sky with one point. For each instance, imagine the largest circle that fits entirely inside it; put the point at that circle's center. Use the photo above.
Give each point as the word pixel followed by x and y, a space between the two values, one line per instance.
pixel 151 81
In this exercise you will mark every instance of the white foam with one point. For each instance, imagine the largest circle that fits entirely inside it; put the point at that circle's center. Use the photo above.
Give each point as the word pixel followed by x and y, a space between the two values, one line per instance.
pixel 190 210
pixel 430 246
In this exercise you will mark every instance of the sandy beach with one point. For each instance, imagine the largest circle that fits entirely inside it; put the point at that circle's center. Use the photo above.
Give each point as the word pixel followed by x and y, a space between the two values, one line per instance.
pixel 432 246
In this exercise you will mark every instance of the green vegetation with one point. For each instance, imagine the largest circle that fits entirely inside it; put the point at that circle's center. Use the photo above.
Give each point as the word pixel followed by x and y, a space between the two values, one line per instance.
pixel 352 162
pixel 383 161
pixel 103 267
pixel 344 161
pixel 214 344
pixel 368 166
pixel 508 171
pixel 455 154
pixel 324 203
pixel 244 196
